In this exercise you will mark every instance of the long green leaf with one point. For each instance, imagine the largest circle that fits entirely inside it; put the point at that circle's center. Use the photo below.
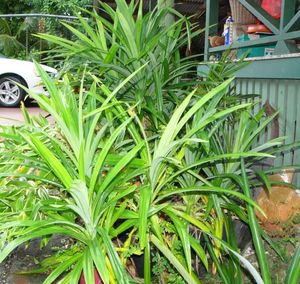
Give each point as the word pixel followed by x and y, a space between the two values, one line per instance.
pixel 61 269
pixel 104 152
pixel 144 204
pixel 293 273
pixel 120 274
pixel 174 261
pixel 58 169
pixel 182 230
pixel 255 231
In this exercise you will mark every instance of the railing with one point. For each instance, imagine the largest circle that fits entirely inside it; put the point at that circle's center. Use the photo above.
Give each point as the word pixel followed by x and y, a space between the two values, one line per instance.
pixel 285 29
pixel 275 78
pixel 38 15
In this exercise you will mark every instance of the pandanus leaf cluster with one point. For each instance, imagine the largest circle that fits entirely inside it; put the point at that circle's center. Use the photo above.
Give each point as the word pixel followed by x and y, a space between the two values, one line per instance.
pixel 137 158
pixel 99 186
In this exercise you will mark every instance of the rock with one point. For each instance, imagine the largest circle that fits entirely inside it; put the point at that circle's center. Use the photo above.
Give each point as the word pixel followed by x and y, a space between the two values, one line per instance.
pixel 281 207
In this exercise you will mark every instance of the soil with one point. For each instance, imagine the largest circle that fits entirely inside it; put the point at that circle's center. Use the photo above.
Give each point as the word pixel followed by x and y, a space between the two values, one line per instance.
pixel 26 259
pixel 278 267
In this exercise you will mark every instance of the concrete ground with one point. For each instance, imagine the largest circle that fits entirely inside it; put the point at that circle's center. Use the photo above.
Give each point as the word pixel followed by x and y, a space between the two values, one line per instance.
pixel 13 116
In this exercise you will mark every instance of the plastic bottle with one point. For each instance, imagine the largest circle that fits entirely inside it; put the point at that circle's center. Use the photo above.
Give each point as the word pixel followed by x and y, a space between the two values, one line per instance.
pixel 228 31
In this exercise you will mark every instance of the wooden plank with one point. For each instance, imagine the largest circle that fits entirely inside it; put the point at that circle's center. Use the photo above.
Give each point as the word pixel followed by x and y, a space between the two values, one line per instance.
pixel 286 47
pixel 288 114
pixel 283 95
pixel 257 84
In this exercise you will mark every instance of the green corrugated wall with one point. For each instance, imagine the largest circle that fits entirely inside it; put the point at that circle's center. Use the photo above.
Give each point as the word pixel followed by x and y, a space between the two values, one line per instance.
pixel 283 95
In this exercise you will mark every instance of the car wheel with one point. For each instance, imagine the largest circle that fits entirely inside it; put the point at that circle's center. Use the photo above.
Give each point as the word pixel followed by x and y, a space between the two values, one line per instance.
pixel 10 93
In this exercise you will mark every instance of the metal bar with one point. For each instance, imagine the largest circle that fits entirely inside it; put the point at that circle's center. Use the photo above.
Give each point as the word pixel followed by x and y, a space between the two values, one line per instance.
pixel 249 43
pixel 286 47
pixel 262 15
pixel 292 22
pixel 37 15
pixel 211 23
pixel 288 10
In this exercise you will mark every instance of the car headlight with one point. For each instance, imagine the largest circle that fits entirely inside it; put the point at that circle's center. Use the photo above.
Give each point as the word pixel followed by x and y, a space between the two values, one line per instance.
pixel 52 75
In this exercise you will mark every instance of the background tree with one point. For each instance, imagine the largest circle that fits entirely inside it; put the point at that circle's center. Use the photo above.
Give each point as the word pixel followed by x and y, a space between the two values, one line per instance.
pixel 15 33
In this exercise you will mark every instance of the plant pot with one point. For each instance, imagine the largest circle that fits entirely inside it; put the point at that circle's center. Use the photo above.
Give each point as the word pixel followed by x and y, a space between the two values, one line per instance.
pixel 96 276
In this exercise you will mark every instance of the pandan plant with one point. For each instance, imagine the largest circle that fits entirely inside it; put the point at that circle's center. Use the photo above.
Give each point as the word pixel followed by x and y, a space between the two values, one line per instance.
pixel 89 160
pixel 113 44
pixel 140 159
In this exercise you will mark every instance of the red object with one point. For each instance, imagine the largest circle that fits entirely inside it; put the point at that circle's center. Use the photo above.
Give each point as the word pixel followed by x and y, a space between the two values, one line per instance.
pixel 273 7
pixel 259 28
pixel 96 276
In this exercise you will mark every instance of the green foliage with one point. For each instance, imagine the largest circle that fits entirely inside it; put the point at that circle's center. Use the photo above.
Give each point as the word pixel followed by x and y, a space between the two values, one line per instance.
pixel 15 33
pixel 255 231
pixel 16 41
pixel 14 7
pixel 36 6
pixel 9 43
pixel 113 46
pixel 141 158
pixel 163 272
pixel 293 273
pixel 73 157
pixel 71 162
pixel 56 6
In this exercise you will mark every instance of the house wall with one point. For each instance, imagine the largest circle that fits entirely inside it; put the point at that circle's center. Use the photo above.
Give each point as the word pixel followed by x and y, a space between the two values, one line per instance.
pixel 283 95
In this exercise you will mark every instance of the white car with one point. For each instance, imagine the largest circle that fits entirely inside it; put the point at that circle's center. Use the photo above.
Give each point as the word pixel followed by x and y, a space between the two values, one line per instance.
pixel 14 71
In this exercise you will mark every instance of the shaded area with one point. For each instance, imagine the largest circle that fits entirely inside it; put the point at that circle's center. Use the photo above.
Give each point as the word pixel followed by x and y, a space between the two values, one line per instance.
pixel 27 258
